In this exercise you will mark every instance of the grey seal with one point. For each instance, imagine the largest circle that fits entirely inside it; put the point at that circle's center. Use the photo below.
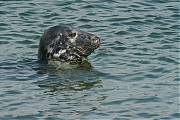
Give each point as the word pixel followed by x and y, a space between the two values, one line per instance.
pixel 66 43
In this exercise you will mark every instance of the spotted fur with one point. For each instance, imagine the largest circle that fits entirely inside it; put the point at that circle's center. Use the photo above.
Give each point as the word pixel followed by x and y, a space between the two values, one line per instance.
pixel 66 44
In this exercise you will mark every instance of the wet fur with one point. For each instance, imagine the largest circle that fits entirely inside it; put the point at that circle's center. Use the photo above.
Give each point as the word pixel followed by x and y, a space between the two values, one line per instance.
pixel 65 43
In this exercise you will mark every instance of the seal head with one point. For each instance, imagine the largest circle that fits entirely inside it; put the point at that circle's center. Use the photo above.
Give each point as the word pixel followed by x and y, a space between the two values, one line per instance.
pixel 65 43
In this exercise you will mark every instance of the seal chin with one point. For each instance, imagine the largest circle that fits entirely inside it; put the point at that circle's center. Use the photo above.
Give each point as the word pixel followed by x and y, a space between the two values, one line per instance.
pixel 67 44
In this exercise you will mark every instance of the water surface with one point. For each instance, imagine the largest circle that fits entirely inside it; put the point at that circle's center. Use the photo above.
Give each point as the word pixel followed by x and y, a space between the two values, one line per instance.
pixel 134 74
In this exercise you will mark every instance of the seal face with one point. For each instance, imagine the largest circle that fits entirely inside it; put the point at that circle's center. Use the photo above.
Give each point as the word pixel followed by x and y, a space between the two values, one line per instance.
pixel 67 44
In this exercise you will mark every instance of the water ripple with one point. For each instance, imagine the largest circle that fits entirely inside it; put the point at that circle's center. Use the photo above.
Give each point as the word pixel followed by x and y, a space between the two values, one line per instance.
pixel 134 74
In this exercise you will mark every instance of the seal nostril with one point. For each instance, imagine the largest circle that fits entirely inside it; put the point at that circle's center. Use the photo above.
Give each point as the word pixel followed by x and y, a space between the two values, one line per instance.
pixel 96 40
pixel 99 40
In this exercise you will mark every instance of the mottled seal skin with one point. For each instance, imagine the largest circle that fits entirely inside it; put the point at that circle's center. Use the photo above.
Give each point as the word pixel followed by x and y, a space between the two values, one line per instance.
pixel 65 43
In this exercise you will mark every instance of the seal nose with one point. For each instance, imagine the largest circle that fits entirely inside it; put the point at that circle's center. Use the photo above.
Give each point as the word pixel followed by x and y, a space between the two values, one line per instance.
pixel 96 40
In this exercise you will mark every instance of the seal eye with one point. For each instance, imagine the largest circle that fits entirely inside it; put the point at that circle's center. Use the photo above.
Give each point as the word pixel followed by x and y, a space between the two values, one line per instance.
pixel 72 35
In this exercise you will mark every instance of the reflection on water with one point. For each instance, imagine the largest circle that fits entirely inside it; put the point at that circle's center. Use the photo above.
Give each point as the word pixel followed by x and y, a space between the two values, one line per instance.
pixel 53 67
pixel 66 76
pixel 134 74
pixel 72 85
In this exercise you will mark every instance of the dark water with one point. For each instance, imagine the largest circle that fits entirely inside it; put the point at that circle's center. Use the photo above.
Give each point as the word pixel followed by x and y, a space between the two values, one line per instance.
pixel 134 74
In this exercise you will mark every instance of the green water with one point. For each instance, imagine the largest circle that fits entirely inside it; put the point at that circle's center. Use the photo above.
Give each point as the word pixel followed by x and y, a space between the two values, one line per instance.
pixel 134 74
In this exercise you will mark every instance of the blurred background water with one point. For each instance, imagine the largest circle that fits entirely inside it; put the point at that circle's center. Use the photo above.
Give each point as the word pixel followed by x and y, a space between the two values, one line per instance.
pixel 134 74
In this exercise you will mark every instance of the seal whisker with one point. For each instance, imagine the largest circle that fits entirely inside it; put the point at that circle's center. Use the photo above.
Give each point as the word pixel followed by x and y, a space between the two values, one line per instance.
pixel 82 51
